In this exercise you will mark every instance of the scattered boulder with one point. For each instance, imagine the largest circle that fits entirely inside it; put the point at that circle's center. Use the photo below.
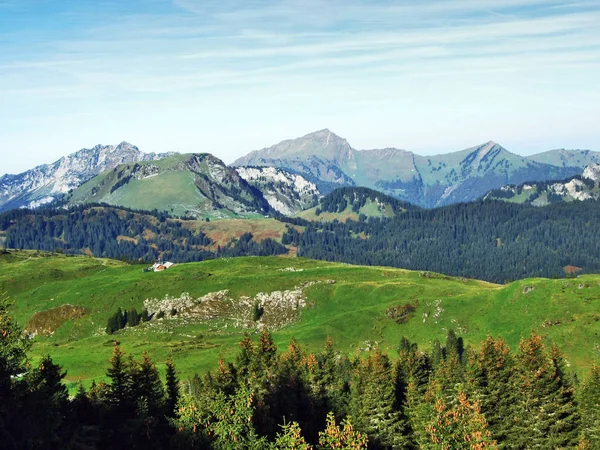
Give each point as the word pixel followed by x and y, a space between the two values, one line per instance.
pixel 278 308
pixel 528 289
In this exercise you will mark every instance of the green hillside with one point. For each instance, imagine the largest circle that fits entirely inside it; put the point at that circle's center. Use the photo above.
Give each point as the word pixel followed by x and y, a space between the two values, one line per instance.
pixel 354 203
pixel 579 188
pixel 196 185
pixel 359 307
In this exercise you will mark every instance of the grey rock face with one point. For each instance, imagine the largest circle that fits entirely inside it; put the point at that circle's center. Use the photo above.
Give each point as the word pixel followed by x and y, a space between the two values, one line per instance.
pixel 49 182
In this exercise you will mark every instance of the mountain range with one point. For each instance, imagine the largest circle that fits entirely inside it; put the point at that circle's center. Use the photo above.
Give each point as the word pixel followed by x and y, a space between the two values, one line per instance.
pixel 46 183
pixel 285 178
pixel 578 188
pixel 427 181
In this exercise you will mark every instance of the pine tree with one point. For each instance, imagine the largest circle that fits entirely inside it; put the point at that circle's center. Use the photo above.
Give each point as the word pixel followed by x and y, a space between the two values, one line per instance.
pixel 148 386
pixel 290 439
pixel 457 423
pixel 546 415
pixel 344 438
pixel 172 388
pixel 454 346
pixel 13 348
pixel 491 380
pixel 13 363
pixel 374 404
pixel 120 394
pixel 45 406
pixel 589 402
pixel 437 353
pixel 133 318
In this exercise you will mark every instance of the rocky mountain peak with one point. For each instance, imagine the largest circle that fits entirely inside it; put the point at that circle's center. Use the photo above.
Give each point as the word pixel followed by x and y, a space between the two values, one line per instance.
pixel 44 184
pixel 592 172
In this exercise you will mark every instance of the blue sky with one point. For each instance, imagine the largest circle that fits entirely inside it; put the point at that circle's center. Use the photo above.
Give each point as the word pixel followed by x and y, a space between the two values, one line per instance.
pixel 230 76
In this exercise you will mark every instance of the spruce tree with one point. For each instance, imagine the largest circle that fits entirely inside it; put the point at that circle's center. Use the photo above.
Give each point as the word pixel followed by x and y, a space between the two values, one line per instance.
pixel 290 439
pixel 13 363
pixel 46 405
pixel 148 386
pixel 589 402
pixel 172 388
pixel 491 381
pixel 344 437
pixel 120 394
pixel 547 415
pixel 374 404
pixel 456 423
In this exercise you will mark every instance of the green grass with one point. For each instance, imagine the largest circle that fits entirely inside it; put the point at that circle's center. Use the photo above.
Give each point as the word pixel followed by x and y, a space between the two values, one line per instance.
pixel 351 311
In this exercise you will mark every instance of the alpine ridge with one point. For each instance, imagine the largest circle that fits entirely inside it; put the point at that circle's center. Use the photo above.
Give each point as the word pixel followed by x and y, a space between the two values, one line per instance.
pixel 428 181
pixel 46 183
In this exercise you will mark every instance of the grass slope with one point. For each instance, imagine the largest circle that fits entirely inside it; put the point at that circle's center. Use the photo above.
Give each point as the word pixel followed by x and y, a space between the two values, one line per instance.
pixel 352 311
pixel 182 185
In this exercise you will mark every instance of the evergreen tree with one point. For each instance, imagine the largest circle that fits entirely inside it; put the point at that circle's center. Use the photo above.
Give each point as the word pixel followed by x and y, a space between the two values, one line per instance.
pixel 120 394
pixel 148 386
pixel 13 364
pixel 344 438
pixel 290 439
pixel 45 406
pixel 457 423
pixel 133 318
pixel 547 416
pixel 374 405
pixel 589 402
pixel 454 346
pixel 491 380
pixel 172 391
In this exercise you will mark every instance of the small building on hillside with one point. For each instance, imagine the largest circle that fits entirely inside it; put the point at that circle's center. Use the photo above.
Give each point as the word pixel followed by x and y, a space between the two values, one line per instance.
pixel 160 266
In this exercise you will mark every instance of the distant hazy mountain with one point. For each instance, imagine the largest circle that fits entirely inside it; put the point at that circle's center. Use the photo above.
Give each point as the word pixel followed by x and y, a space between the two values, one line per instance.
pixel 582 187
pixel 567 158
pixel 193 185
pixel 330 161
pixel 48 182
pixel 287 193
pixel 317 156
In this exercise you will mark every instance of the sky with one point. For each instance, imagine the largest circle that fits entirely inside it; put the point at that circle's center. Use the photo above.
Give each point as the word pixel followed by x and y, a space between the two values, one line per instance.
pixel 230 76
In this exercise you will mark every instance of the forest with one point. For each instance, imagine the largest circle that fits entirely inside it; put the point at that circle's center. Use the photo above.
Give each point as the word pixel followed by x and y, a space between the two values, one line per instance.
pixel 488 240
pixel 456 395
pixel 119 233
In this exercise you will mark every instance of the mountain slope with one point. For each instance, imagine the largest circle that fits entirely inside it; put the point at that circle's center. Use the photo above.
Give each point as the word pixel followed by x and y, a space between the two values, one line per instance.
pixel 355 203
pixel 425 181
pixel 567 158
pixel 48 182
pixel 287 193
pixel 582 187
pixel 196 185
pixel 348 303
pixel 317 156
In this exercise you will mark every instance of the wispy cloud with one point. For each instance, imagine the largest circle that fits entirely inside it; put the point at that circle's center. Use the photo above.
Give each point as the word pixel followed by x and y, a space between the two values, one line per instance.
pixel 112 58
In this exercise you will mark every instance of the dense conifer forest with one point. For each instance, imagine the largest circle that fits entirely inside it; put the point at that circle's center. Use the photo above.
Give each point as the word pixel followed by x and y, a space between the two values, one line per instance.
pixel 487 240
pixel 452 397
pixel 117 233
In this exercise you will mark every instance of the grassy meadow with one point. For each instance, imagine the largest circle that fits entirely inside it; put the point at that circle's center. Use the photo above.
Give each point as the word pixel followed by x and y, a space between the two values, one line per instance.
pixel 353 311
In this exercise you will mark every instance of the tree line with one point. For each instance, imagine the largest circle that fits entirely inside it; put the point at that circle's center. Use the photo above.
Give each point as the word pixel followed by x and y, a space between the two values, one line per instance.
pixel 121 234
pixel 488 240
pixel 451 396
